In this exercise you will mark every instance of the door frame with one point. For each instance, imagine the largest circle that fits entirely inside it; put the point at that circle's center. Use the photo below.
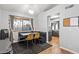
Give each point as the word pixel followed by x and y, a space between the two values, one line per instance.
pixel 48 19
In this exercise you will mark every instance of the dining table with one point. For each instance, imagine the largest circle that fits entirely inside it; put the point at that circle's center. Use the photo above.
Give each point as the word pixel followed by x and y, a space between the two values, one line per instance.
pixel 25 34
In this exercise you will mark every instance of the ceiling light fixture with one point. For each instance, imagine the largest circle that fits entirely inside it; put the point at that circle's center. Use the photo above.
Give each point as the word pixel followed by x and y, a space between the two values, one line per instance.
pixel 31 11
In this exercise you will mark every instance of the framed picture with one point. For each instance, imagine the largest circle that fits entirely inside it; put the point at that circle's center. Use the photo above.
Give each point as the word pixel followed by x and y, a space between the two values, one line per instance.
pixel 66 22
pixel 71 22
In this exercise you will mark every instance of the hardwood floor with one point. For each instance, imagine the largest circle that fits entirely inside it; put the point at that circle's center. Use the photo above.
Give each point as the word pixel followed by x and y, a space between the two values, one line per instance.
pixel 55 49
pixel 47 51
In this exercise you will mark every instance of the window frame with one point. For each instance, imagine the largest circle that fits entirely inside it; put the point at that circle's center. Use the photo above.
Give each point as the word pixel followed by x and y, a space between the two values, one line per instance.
pixel 12 18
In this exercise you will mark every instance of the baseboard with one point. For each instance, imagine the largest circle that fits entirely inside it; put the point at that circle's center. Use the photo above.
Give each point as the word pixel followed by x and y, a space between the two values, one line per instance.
pixel 71 51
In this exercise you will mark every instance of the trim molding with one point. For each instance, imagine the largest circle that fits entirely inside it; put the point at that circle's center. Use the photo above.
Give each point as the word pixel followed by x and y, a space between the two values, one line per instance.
pixel 71 51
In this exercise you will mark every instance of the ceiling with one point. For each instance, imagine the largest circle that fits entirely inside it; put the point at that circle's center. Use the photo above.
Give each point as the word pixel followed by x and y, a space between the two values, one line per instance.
pixel 24 8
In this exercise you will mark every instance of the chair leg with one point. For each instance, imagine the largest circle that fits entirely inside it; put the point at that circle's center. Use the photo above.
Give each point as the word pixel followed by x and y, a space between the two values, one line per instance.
pixel 27 43
pixel 37 41
pixel 32 42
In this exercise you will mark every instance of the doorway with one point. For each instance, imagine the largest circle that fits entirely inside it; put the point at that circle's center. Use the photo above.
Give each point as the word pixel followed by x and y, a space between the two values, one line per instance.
pixel 53 24
pixel 53 29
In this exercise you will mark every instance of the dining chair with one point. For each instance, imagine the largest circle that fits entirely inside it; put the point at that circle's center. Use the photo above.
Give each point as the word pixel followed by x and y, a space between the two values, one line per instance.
pixel 29 38
pixel 36 37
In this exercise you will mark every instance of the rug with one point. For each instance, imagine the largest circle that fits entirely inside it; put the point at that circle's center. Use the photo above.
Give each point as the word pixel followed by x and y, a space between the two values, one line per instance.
pixel 19 48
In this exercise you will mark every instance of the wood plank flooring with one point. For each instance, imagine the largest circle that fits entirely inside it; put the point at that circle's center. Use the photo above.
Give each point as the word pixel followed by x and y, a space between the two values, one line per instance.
pixel 55 49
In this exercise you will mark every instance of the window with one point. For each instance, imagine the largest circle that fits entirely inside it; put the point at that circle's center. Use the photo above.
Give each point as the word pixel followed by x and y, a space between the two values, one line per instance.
pixel 26 25
pixel 17 25
pixel 21 23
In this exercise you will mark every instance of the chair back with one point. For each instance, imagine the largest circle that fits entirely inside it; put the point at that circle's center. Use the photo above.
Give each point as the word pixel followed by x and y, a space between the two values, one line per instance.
pixel 29 37
pixel 37 35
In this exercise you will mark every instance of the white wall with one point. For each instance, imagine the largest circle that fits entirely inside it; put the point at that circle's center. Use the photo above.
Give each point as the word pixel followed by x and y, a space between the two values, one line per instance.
pixel 69 36
pixel 42 22
pixel 36 23
pixel 0 19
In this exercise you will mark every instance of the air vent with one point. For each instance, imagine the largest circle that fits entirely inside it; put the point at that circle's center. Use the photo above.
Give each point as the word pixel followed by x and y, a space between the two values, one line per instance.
pixel 70 6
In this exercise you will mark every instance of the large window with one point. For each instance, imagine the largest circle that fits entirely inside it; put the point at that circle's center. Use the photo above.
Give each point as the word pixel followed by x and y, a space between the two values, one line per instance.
pixel 21 23
pixel 27 25
pixel 17 25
